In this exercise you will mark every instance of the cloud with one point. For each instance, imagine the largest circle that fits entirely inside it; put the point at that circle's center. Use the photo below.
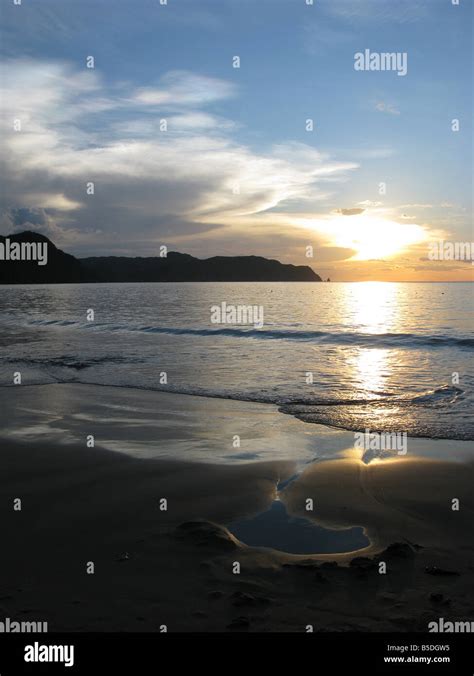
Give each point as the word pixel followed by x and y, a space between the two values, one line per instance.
pixel 178 185
pixel 63 24
pixel 443 265
pixel 40 220
pixel 181 88
pixel 198 120
pixel 350 212
pixel 416 206
pixel 373 153
pixel 368 203
pixel 327 254
pixel 18 217
pixel 383 107
pixel 402 11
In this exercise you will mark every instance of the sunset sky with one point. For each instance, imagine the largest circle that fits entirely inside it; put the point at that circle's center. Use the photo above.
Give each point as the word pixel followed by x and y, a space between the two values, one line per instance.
pixel 236 171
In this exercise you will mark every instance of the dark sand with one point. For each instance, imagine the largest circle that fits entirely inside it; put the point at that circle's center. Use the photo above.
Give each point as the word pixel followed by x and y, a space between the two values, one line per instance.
pixel 175 567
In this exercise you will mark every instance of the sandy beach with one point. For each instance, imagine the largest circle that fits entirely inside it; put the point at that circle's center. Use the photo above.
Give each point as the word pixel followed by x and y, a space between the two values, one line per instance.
pixel 177 567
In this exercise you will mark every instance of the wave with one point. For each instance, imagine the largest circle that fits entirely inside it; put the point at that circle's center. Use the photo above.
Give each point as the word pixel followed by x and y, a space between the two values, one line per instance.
pixel 435 419
pixel 71 362
pixel 444 395
pixel 341 414
pixel 440 395
pixel 388 340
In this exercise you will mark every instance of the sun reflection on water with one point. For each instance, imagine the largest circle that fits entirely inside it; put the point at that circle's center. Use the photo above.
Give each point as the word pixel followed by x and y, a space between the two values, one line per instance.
pixel 373 307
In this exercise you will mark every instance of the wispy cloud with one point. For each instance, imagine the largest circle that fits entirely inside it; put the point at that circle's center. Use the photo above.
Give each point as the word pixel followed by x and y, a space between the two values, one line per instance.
pixel 181 88
pixel 350 212
pixel 369 203
pixel 389 108
pixel 402 11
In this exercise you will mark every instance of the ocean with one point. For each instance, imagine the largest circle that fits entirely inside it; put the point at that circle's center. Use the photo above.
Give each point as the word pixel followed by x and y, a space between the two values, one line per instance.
pixel 379 356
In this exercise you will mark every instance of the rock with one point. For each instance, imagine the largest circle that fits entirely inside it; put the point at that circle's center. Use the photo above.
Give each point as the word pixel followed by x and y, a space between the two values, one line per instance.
pixel 387 596
pixel 207 534
pixel 437 597
pixel 434 570
pixel 329 564
pixel 398 550
pixel 363 563
pixel 239 623
pixel 244 599
pixel 124 557
pixel 216 594
pixel 305 564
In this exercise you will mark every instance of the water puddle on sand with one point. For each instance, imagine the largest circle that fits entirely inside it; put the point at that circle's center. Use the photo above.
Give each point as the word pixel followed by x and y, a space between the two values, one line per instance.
pixel 276 529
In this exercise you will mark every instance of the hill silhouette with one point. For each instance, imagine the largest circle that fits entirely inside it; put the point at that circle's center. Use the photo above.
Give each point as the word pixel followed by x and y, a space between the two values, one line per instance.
pixel 175 267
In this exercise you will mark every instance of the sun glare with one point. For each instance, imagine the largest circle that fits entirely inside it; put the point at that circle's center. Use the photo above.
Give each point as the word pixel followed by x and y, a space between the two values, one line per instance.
pixel 373 238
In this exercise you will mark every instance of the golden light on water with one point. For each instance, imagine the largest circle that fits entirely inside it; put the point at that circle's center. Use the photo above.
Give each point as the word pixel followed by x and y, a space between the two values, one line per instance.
pixel 371 366
pixel 373 308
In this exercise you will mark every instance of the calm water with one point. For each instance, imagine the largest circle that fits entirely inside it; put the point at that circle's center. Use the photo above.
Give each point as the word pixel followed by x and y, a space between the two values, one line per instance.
pixel 381 356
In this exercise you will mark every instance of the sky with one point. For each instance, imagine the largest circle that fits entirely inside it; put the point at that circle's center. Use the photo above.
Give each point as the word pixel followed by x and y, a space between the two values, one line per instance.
pixel 295 154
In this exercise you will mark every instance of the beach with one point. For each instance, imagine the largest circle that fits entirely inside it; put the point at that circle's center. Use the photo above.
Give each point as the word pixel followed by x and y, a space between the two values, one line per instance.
pixel 155 517
pixel 236 334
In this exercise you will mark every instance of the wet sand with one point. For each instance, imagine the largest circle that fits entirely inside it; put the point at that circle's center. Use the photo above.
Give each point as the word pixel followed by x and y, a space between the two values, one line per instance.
pixel 177 567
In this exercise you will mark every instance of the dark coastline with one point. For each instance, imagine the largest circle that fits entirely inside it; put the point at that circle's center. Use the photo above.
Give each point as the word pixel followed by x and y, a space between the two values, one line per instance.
pixel 174 267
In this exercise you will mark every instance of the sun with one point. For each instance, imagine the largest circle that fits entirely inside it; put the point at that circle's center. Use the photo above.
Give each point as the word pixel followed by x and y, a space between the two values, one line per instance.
pixel 372 237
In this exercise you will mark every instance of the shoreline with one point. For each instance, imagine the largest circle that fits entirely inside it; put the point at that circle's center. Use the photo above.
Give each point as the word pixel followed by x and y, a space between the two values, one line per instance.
pixel 458 443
